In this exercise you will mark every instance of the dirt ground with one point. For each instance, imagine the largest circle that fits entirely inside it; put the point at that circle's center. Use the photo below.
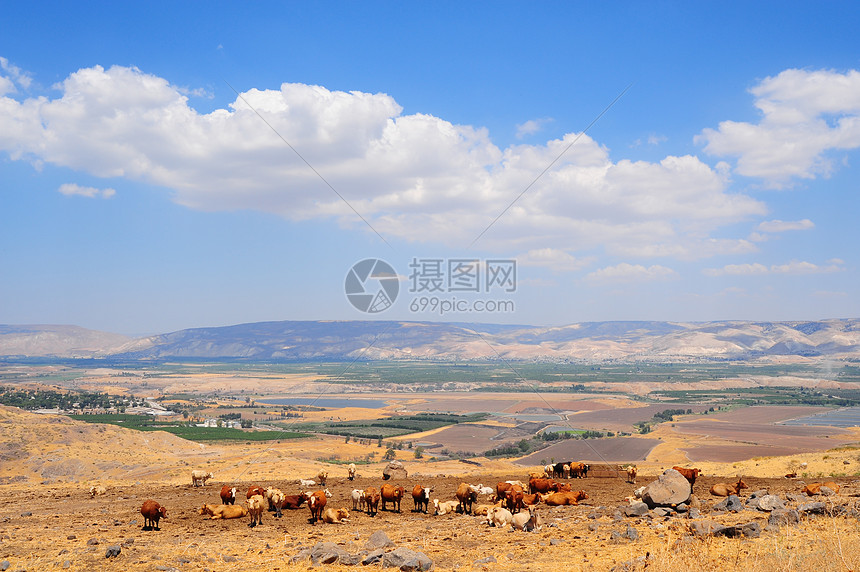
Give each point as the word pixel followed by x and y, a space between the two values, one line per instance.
pixel 59 527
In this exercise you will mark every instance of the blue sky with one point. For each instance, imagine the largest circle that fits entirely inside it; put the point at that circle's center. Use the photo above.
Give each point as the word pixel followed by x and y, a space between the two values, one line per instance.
pixel 140 194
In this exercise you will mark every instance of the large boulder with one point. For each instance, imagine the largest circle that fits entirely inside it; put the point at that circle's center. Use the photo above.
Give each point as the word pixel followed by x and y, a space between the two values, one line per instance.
pixel 394 470
pixel 669 490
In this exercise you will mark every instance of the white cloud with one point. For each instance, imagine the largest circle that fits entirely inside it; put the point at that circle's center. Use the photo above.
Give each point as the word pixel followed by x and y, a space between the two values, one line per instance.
pixel 758 269
pixel 16 75
pixel 71 189
pixel 805 116
pixel 413 177
pixel 531 127
pixel 554 259
pixel 626 272
pixel 773 226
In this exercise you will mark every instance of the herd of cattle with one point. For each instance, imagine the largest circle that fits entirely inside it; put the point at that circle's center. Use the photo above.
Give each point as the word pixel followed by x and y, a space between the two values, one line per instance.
pixel 508 503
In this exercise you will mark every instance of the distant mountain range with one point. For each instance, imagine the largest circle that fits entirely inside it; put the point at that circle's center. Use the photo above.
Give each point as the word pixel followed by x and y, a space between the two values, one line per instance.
pixel 332 340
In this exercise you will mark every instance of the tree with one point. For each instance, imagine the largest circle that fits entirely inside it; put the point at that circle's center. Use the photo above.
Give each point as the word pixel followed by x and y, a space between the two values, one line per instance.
pixel 390 454
pixel 419 452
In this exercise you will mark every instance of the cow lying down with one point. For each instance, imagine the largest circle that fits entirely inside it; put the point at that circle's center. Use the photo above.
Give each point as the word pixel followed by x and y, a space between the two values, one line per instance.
pixel 216 511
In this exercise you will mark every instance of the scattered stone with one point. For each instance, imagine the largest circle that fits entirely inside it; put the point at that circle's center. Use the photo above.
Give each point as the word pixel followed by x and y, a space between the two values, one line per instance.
pixel 127 542
pixel 487 560
pixel 407 560
pixel 767 503
pixel 731 503
pixel 378 540
pixel 670 489
pixel 27 513
pixel 632 533
pixel 701 528
pixel 683 507
pixel 660 512
pixel 113 551
pixel 67 564
pixel 751 530
pixel 4 565
pixel 812 508
pixel 92 542
pixel 373 558
pixel 554 541
pixel 71 537
pixel 694 513
pixel 593 526
pixel 636 509
pixel 228 558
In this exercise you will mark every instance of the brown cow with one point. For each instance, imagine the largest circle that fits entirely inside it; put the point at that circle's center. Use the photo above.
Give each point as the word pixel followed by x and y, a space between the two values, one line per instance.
pixel 545 486
pixel 255 490
pixel 371 500
pixel 531 499
pixel 562 499
pixel 391 494
pixel 316 503
pixel 724 490
pixel 228 495
pixel 216 511
pixel 467 495
pixel 815 488
pixel 152 512
pixel 420 498
pixel 689 474
pixel 293 501
pixel 578 470
pixel 514 498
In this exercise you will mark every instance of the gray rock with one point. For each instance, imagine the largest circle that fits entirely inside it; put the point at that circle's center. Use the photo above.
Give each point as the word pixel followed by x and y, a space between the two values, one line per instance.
pixel 350 560
pixel 660 512
pixel 694 513
pixel 670 489
pixel 593 515
pixel 593 526
pixel 701 528
pixel 636 509
pixel 812 508
pixel 113 551
pixel 326 553
pixel 92 542
pixel 731 503
pixel 751 530
pixel 228 558
pixel 407 560
pixel 632 533
pixel 683 507
pixel 373 558
pixel 757 494
pixel 767 503
pixel 4 565
pixel 378 540
pixel 487 560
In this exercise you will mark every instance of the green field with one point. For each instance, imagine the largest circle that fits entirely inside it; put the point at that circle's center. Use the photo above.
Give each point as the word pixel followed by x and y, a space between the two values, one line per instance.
pixel 192 433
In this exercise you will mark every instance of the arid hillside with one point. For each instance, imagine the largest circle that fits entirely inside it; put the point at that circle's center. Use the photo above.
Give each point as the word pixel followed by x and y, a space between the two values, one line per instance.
pixel 49 521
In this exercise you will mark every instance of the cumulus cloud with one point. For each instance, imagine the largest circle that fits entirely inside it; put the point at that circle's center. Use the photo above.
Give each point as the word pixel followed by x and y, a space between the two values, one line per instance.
pixel 626 272
pixel 554 259
pixel 531 127
pixel 774 226
pixel 15 75
pixel 413 177
pixel 806 115
pixel 71 189
pixel 793 267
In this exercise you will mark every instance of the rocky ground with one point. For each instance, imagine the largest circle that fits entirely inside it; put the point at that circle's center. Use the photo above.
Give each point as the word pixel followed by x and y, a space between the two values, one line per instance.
pixel 58 526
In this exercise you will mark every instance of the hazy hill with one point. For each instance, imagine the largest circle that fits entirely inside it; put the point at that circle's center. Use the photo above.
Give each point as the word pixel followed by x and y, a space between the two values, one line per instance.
pixel 324 340
pixel 59 341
